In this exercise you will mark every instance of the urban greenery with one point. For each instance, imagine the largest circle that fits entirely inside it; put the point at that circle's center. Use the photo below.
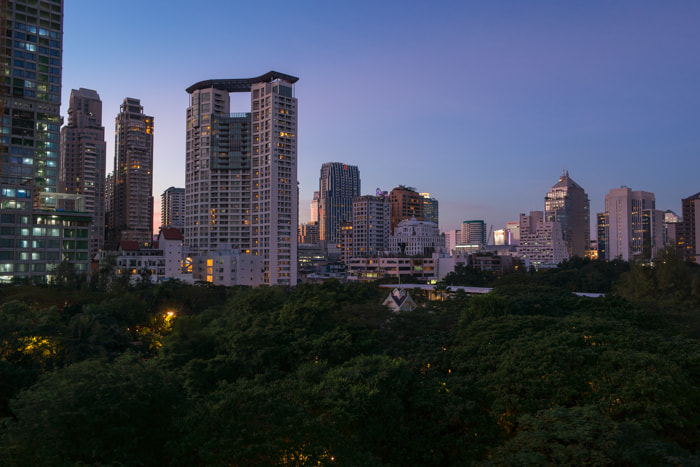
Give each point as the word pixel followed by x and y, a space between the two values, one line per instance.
pixel 109 373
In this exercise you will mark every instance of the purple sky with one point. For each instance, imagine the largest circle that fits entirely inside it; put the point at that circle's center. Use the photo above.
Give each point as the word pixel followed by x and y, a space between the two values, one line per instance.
pixel 482 104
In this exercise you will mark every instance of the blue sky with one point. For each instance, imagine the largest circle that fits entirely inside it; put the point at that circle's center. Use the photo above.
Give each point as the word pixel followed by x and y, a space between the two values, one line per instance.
pixel 482 104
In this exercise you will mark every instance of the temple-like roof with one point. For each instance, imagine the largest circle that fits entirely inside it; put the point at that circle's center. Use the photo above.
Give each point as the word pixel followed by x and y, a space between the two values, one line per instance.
pixel 240 84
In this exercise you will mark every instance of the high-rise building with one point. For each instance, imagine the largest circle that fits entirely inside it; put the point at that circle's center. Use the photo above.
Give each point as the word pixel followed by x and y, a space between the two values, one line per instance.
pixel 542 243
pixel 172 208
pixel 131 215
pixel 688 230
pixel 371 222
pixel 313 211
pixel 430 209
pixel 83 158
pixel 34 236
pixel 406 203
pixel 632 227
pixel 473 233
pixel 339 184
pixel 241 172
pixel 567 203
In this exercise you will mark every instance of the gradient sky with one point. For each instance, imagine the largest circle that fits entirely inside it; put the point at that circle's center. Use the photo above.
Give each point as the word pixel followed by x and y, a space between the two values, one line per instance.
pixel 482 104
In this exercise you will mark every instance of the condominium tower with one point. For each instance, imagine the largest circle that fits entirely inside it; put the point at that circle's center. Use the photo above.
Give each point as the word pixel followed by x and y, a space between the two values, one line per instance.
pixel 131 216
pixel 339 184
pixel 83 158
pixel 241 172
pixel 567 203
pixel 631 228
pixel 172 208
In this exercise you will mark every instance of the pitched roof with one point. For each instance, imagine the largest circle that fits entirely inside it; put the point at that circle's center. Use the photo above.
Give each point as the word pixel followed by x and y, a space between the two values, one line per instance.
pixel 172 234
pixel 129 245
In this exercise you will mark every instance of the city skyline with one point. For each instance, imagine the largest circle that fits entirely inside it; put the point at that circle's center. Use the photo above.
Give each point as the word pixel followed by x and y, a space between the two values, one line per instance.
pixel 483 106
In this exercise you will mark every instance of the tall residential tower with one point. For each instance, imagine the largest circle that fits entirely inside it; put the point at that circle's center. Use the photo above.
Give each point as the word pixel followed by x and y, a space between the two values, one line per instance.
pixel 131 216
pixel 241 172
pixel 83 159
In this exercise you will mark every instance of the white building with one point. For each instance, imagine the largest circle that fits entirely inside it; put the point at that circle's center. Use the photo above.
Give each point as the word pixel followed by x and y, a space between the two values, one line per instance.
pixel 241 173
pixel 416 238
pixel 227 267
pixel 542 244
pixel 161 261
pixel 172 208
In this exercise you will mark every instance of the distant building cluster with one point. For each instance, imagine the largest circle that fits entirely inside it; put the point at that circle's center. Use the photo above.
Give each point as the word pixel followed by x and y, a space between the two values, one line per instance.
pixel 236 219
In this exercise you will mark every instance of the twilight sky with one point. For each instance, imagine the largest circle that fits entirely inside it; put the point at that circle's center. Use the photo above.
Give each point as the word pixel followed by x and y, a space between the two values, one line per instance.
pixel 482 104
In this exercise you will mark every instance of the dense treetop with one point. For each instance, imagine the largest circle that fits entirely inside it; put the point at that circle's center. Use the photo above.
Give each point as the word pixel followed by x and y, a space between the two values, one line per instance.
pixel 175 374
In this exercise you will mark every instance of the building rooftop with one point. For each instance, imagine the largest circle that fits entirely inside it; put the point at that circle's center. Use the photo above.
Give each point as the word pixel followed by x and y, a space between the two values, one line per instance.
pixel 240 84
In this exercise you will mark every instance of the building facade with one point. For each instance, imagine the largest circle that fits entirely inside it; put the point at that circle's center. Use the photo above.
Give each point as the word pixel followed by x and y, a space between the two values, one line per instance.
pixel 131 215
pixel 430 209
pixel 339 184
pixel 631 228
pixel 568 204
pixel 473 233
pixel 542 243
pixel 241 173
pixel 82 161
pixel 689 227
pixel 406 203
pixel 371 223
pixel 172 208
pixel 416 238
pixel 35 235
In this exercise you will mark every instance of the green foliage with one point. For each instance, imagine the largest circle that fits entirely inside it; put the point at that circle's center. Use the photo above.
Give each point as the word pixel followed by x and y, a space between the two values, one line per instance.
pixel 93 412
pixel 174 374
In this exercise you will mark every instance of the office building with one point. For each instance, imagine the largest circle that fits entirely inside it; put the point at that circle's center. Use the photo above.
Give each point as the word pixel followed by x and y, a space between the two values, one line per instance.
pixel 473 233
pixel 688 230
pixel 35 236
pixel 568 204
pixel 131 206
pixel 542 243
pixel 82 161
pixel 172 208
pixel 430 209
pixel 339 184
pixel 371 223
pixel 631 228
pixel 513 233
pixel 406 203
pixel 313 210
pixel 241 173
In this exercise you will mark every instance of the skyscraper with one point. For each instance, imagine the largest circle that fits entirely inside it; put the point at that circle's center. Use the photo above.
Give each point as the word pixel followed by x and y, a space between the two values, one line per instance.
pixel 241 172
pixel 430 209
pixel 83 158
pixel 34 236
pixel 131 216
pixel 567 203
pixel 339 184
pixel 631 228
pixel 172 208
